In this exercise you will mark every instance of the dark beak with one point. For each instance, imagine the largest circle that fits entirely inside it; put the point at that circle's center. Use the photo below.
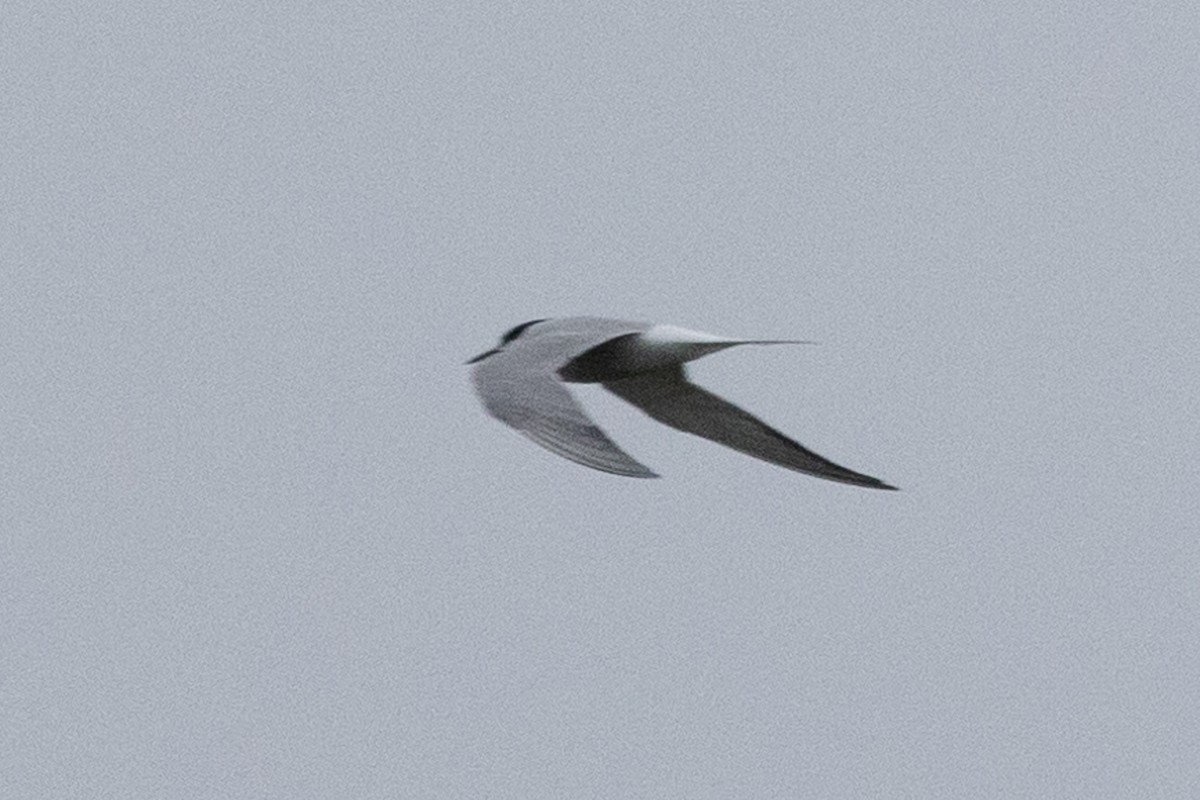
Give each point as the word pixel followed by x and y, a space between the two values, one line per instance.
pixel 482 356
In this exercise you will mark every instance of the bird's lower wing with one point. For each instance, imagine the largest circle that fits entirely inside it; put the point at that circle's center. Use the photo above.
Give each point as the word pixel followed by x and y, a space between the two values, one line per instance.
pixel 669 397
pixel 583 443
pixel 541 408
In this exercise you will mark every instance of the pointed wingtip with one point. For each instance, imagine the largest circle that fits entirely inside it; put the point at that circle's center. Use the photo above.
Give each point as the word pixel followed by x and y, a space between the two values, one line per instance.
pixel 646 474
pixel 875 483
pixel 854 479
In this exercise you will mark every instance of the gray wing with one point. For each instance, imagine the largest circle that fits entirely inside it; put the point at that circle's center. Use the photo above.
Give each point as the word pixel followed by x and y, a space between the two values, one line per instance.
pixel 523 392
pixel 668 396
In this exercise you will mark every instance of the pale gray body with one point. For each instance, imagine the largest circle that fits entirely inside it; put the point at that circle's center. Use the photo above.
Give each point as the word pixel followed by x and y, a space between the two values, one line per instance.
pixel 521 383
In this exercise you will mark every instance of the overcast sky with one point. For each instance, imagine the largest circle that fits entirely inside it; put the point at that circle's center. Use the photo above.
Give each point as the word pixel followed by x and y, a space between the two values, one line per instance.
pixel 258 538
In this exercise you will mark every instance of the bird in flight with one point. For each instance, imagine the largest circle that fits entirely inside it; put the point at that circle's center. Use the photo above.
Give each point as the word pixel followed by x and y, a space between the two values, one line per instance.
pixel 521 383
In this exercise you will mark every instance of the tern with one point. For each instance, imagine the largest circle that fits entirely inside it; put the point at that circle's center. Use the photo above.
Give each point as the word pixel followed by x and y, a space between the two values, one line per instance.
pixel 521 383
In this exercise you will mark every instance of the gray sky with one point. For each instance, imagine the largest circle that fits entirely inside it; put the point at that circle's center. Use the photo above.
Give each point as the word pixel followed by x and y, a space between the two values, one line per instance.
pixel 260 540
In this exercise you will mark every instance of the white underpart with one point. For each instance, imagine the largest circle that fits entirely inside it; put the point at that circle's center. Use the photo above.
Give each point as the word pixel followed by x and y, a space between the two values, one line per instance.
pixel 670 334
pixel 664 345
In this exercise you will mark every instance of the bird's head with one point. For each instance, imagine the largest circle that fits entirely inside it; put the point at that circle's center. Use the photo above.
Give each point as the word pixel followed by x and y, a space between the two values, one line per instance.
pixel 509 335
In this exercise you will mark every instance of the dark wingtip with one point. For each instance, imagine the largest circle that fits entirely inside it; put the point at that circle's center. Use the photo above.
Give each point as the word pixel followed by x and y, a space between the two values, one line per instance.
pixel 859 480
pixel 875 483
pixel 646 474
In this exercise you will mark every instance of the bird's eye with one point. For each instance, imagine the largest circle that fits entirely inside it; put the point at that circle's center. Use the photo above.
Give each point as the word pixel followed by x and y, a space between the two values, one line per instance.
pixel 517 331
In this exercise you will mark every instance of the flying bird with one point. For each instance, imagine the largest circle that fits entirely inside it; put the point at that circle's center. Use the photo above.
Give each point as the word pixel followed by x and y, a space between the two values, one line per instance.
pixel 522 381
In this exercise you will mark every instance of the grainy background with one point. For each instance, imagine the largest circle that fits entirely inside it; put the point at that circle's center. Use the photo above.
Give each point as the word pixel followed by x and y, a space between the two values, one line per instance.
pixel 257 538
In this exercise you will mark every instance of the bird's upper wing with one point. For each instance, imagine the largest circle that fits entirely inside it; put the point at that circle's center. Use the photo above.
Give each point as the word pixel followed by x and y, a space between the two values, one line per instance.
pixel 520 387
pixel 669 397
